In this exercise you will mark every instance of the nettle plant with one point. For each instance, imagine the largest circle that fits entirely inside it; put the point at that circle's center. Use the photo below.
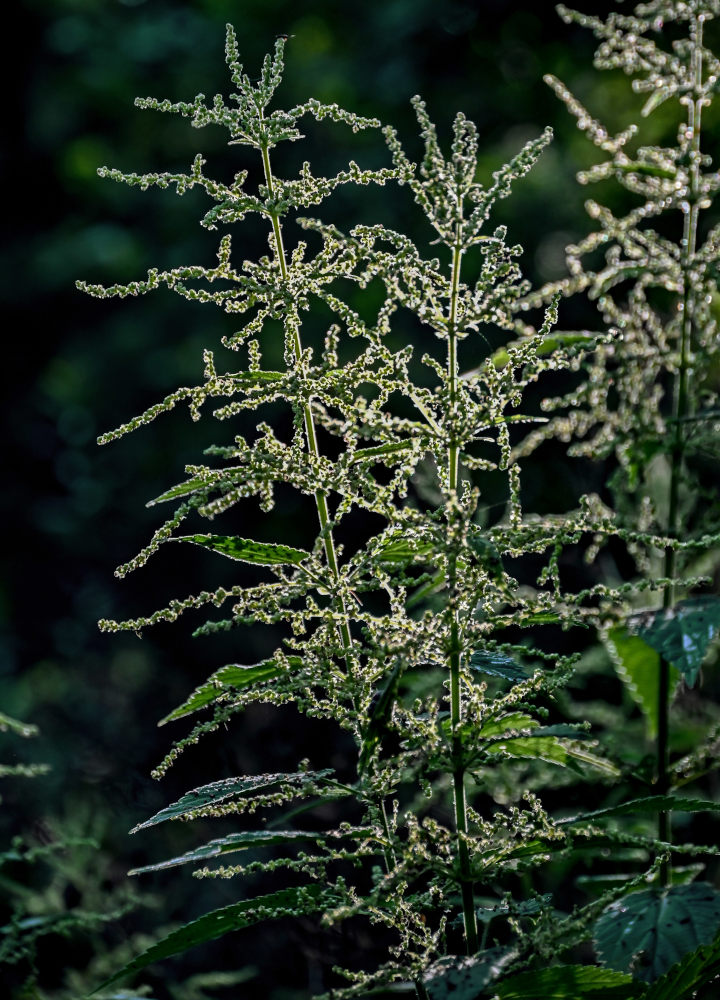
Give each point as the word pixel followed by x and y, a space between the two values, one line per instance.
pixel 412 636
pixel 648 406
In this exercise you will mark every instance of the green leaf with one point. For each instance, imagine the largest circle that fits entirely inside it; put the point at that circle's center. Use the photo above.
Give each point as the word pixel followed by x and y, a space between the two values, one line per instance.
pixel 229 788
pixel 233 842
pixel 648 932
pixel 681 634
pixel 226 680
pixel 454 978
pixel 380 712
pixel 553 342
pixel 181 490
pixel 638 665
pixel 568 982
pixel 649 804
pixel 491 661
pixel 246 550
pixel 306 899
pixel 682 980
pixel 505 724
pixel 380 451
pixel 403 550
pixel 552 750
pixel 256 378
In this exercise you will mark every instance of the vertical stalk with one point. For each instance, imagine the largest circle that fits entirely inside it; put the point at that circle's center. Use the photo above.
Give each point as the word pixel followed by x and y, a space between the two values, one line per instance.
pixel 310 435
pixel 466 887
pixel 681 407
pixel 323 513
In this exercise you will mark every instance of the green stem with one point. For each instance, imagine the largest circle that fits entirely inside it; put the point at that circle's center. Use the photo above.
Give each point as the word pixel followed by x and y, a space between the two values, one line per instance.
pixel 461 825
pixel 681 408
pixel 310 434
pixel 324 516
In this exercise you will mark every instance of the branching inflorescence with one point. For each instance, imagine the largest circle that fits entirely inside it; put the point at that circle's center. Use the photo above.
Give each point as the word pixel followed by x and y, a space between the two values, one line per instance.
pixel 412 641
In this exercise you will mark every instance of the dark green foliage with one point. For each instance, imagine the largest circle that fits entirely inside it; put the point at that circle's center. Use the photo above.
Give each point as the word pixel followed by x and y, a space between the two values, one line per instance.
pixel 286 902
pixel 648 932
pixel 400 634
pixel 681 634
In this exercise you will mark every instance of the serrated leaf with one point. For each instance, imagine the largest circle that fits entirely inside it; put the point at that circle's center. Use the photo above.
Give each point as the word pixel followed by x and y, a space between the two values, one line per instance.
pixel 229 788
pixel 648 932
pixel 307 899
pixel 380 712
pixel 256 378
pixel 681 634
pixel 638 665
pixel 454 978
pixel 233 677
pixel 230 844
pixel 552 750
pixel 682 981
pixel 568 982
pixel 404 550
pixel 505 724
pixel 649 804
pixel 181 490
pixel 491 661
pixel 381 450
pixel 547 345
pixel 246 550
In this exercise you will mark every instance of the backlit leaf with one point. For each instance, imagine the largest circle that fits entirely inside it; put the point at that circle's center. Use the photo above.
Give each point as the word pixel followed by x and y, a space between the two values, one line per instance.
pixel 233 842
pixel 229 788
pixel 649 804
pixel 246 550
pixel 568 982
pixel 681 634
pixel 492 661
pixel 233 677
pixel 638 664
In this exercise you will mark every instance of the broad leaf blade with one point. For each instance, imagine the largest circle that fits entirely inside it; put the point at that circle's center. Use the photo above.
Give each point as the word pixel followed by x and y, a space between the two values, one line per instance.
pixel 229 788
pixel 648 932
pixel 246 550
pixel 569 982
pixel 181 490
pixel 681 634
pixel 454 978
pixel 682 981
pixel 649 804
pixel 638 665
pixel 492 661
pixel 551 749
pixel 226 680
pixel 307 899
pixel 232 843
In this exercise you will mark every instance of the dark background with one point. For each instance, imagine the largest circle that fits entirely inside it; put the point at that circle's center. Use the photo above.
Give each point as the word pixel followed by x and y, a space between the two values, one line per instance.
pixel 74 367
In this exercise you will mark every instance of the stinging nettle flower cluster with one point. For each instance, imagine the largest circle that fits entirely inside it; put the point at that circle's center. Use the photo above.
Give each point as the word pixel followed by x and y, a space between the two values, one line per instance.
pixel 413 635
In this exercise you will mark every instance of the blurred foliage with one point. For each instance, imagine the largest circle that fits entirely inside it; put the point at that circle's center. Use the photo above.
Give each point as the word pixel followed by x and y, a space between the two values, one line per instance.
pixel 77 367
